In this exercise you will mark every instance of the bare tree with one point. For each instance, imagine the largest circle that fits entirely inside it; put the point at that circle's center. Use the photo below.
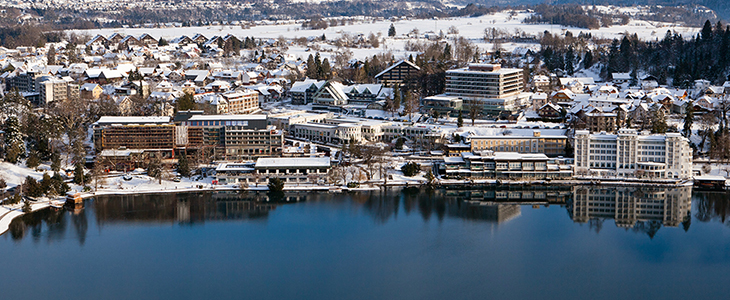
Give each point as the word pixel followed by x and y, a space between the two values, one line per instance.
pixel 98 175
pixel 411 104
pixel 707 123
pixel 474 109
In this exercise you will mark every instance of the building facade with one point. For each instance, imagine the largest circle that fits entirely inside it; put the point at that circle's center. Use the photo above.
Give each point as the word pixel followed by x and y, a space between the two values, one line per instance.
pixel 238 137
pixel 300 170
pixel 496 88
pixel 550 145
pixel 631 154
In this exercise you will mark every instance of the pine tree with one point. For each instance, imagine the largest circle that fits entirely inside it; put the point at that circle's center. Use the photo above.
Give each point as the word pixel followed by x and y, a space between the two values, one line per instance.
pixel 183 166
pixel 51 55
pixel 588 60
pixel 396 98
pixel 447 52
pixel 460 120
pixel 318 67
pixel 688 120
pixel 326 70
pixel 659 122
pixel 569 58
pixel 391 30
pixel 34 160
pixel 311 67
pixel 14 141
pixel 185 102
pixel 79 173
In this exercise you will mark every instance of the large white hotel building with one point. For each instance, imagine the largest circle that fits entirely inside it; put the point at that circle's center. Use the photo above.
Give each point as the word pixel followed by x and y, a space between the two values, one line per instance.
pixel 631 154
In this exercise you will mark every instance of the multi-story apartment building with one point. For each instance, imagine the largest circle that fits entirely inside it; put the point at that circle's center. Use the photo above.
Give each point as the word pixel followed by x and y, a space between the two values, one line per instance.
pixel 302 92
pixel 495 88
pixel 238 137
pixel 53 89
pixel 242 102
pixel 154 134
pixel 629 205
pixel 631 154
pixel 398 73
pixel 551 145
pixel 23 81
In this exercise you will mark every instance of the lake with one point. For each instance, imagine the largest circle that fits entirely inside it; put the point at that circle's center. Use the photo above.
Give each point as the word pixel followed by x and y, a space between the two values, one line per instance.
pixel 581 242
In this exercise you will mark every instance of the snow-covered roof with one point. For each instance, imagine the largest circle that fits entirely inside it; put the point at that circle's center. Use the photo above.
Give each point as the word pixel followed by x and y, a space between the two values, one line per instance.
pixel 398 64
pixel 132 120
pixel 226 117
pixel 291 162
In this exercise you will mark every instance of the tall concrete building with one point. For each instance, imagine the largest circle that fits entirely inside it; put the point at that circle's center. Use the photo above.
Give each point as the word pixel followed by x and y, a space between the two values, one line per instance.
pixel 53 89
pixel 238 137
pixel 494 88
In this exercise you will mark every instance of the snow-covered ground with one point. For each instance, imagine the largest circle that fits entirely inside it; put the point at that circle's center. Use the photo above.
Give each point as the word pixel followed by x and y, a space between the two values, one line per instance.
pixel 468 27
pixel 8 213
pixel 16 174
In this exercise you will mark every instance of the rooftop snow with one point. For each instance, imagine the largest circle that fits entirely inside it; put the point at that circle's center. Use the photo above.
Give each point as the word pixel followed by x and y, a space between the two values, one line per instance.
pixel 298 162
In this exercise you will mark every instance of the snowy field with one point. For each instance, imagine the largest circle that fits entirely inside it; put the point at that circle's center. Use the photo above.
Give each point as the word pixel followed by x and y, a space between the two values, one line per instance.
pixel 471 28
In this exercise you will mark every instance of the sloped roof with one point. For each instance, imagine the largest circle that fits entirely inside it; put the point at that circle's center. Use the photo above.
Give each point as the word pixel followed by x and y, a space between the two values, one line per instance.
pixel 397 64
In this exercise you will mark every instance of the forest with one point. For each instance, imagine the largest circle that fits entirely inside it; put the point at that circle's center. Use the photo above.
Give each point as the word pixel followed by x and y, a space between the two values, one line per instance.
pixel 672 60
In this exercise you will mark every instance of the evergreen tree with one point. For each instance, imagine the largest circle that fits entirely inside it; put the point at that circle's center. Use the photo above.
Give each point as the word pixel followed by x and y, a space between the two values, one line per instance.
pixel 183 166
pixel 55 162
pixel 410 169
pixel 588 60
pixel 79 173
pixel 659 122
pixel 707 31
pixel 155 168
pixel 32 188
pixel 688 120
pixel 14 141
pixel 569 58
pixel 34 160
pixel 391 30
pixel 447 52
pixel 185 102
pixel 51 55
pixel 318 67
pixel 326 70
pixel 275 185
pixel 396 98
pixel 460 120
pixel 311 67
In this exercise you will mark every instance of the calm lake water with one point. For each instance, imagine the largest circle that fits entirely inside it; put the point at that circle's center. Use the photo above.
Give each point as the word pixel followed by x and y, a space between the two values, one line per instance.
pixel 531 243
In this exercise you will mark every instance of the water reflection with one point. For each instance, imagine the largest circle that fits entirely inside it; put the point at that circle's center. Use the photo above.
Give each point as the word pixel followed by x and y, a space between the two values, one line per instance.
pixel 637 209
pixel 641 209
pixel 713 206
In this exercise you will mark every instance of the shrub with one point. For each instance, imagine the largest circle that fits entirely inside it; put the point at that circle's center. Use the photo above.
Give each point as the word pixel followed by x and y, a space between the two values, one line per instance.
pixel 410 169
pixel 276 185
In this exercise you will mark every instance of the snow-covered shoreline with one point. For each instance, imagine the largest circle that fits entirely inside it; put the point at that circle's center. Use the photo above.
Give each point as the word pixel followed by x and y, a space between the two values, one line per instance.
pixel 8 214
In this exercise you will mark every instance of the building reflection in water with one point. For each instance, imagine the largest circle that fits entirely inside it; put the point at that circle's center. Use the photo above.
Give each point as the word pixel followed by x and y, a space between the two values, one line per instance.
pixel 643 209
pixel 490 204
pixel 187 207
